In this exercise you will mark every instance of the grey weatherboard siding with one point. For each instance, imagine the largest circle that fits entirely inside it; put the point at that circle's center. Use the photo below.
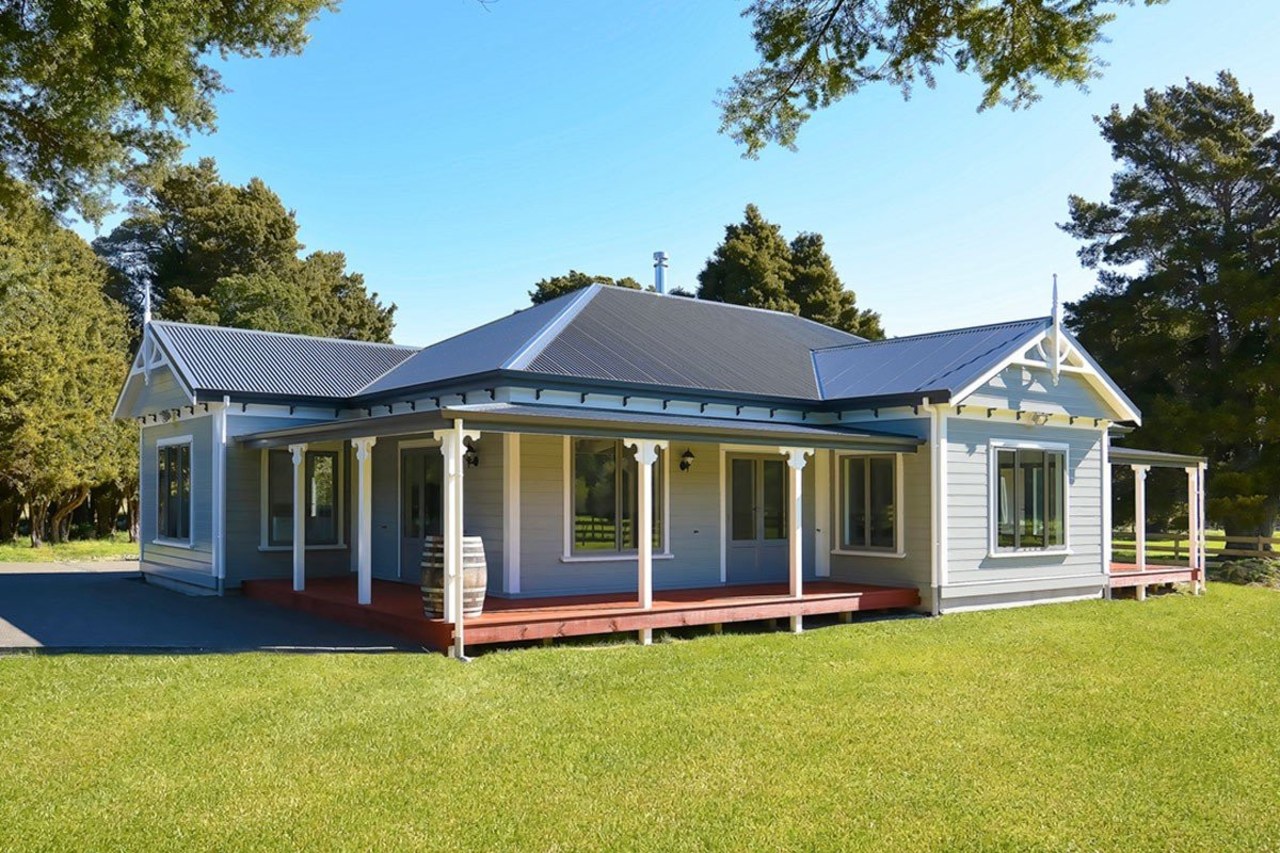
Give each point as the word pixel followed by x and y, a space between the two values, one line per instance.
pixel 194 564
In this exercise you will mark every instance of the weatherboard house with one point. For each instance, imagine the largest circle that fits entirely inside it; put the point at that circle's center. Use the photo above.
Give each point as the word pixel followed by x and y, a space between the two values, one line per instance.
pixel 633 461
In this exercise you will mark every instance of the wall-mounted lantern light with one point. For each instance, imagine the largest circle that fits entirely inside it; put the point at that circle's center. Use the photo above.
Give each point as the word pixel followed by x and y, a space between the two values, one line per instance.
pixel 471 457
pixel 686 460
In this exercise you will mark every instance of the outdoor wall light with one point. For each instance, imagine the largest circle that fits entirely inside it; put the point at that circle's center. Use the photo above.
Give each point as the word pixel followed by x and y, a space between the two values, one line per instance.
pixel 1040 418
pixel 471 457
pixel 686 460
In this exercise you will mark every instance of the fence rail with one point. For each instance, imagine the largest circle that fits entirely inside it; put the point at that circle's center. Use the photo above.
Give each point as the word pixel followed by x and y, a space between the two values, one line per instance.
pixel 1217 545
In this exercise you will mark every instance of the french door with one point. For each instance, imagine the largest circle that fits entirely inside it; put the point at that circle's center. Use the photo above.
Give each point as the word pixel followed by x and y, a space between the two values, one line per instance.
pixel 757 522
pixel 421 505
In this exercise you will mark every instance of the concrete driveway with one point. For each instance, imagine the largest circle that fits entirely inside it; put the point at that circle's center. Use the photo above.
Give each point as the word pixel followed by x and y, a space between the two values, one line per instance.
pixel 102 607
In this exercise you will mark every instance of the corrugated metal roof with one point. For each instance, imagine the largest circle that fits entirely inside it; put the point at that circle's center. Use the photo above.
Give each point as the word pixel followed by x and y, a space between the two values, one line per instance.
pixel 479 350
pixel 244 361
pixel 615 334
pixel 648 339
pixel 934 362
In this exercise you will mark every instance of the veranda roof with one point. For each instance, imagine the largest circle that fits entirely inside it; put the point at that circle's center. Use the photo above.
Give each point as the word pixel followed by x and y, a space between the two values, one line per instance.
pixel 566 420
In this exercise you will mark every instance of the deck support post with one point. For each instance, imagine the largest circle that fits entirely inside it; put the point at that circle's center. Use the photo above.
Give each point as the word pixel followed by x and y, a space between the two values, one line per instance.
pixel 299 452
pixel 364 518
pixel 1193 529
pixel 1140 522
pixel 1201 541
pixel 453 446
pixel 795 525
pixel 646 455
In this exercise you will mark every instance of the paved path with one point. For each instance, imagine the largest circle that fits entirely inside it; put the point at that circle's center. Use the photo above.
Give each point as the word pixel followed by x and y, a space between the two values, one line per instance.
pixel 106 606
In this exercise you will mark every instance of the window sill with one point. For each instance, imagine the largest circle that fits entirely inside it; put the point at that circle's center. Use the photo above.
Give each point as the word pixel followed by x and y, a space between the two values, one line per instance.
pixel 1030 552
pixel 173 543
pixel 869 552
pixel 266 549
pixel 628 557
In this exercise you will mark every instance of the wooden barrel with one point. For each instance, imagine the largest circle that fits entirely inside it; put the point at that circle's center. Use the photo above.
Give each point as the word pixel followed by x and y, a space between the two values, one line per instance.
pixel 475 576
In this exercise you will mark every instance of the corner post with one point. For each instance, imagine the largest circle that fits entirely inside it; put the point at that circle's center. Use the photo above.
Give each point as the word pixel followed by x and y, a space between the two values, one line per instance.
pixel 364 519
pixel 646 455
pixel 453 446
pixel 1140 522
pixel 299 452
pixel 795 525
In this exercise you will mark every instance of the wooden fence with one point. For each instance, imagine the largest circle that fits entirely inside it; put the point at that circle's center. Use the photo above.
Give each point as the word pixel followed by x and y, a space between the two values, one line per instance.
pixel 1174 546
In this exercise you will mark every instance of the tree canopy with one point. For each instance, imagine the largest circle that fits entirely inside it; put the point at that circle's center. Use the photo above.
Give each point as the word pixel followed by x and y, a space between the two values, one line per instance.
pixel 815 52
pixel 91 95
pixel 1186 314
pixel 63 350
pixel 558 285
pixel 216 253
pixel 756 266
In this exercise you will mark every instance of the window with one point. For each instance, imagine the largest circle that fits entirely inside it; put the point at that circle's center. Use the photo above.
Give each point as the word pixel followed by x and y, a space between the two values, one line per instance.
pixel 869 503
pixel 606 496
pixel 1030 511
pixel 322 522
pixel 173 492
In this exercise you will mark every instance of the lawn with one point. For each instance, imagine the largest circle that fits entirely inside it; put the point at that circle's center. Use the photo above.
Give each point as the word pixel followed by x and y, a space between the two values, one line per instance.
pixel 117 547
pixel 1099 725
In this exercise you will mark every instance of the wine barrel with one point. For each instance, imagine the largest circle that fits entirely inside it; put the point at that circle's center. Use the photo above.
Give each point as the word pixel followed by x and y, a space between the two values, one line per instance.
pixel 475 576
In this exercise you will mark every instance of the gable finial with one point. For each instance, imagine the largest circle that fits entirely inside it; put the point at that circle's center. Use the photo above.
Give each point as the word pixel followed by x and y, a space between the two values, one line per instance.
pixel 1056 362
pixel 146 303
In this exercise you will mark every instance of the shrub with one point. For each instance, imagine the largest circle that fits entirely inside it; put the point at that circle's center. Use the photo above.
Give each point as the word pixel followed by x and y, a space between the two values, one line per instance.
pixel 1249 571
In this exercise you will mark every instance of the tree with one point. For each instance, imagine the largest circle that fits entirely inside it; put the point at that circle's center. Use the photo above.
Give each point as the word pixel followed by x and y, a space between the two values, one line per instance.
pixel 220 254
pixel 91 94
pixel 819 293
pixel 558 285
pixel 1187 311
pixel 62 354
pixel 815 52
pixel 755 266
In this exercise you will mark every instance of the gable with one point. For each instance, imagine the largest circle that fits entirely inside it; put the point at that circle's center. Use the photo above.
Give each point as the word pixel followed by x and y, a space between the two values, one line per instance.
pixel 153 384
pixel 1052 374
pixel 1027 388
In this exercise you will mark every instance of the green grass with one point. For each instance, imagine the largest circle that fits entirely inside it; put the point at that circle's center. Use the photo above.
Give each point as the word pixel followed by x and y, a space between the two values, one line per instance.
pixel 117 547
pixel 1100 725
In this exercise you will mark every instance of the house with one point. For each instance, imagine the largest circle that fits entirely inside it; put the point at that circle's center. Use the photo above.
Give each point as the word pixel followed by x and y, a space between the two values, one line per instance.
pixel 634 460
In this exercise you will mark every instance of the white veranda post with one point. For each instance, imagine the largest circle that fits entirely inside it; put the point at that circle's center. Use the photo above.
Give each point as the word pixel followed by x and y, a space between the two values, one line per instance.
pixel 364 518
pixel 453 446
pixel 795 525
pixel 646 455
pixel 299 452
pixel 1195 528
pixel 1140 521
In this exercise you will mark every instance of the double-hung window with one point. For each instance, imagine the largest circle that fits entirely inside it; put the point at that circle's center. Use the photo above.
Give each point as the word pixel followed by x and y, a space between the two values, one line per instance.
pixel 1030 498
pixel 869 503
pixel 606 495
pixel 323 485
pixel 173 491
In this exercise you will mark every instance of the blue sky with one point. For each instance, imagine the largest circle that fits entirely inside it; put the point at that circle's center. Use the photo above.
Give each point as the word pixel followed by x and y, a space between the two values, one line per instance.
pixel 459 152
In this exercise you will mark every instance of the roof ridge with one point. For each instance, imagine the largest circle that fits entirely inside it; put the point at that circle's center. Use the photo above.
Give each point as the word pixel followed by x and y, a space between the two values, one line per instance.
pixel 533 346
pixel 937 334
pixel 699 300
pixel 168 324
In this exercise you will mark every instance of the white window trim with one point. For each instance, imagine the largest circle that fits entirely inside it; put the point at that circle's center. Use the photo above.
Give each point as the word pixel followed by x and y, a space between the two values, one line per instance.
pixel 1062 550
pixel 566 553
pixel 189 542
pixel 264 482
pixel 899 549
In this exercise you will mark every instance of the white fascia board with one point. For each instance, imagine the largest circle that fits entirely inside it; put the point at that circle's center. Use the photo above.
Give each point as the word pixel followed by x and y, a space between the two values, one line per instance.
pixel 1121 405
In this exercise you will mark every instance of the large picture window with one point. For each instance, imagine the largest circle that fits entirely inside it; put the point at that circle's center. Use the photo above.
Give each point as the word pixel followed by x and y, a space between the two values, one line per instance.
pixel 869 512
pixel 323 525
pixel 1030 498
pixel 173 492
pixel 606 495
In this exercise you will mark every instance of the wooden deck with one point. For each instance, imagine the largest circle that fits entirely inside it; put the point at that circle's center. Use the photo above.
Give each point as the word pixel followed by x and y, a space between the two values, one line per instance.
pixel 1125 575
pixel 397 609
